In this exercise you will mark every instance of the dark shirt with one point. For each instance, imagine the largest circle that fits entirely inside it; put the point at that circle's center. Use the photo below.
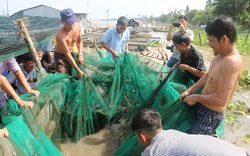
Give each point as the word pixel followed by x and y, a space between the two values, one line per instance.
pixel 195 60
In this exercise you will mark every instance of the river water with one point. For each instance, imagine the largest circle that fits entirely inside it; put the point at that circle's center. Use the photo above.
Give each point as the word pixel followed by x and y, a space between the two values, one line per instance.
pixel 105 142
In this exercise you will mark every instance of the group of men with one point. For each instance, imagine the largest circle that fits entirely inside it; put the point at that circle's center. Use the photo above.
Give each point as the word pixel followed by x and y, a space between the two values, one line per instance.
pixel 219 82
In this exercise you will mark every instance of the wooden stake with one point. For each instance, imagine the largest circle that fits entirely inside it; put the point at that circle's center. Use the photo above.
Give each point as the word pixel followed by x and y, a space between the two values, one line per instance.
pixel 25 34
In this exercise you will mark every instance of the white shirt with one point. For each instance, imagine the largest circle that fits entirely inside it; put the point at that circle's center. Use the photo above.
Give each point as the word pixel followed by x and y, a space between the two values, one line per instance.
pixel 175 143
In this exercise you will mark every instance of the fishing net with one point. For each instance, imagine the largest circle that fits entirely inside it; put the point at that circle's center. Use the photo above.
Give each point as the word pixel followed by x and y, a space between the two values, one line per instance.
pixel 11 42
pixel 175 114
pixel 113 91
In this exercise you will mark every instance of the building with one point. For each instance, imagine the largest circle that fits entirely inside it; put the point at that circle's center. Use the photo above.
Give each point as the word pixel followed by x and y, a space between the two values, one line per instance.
pixel 47 11
pixel 133 23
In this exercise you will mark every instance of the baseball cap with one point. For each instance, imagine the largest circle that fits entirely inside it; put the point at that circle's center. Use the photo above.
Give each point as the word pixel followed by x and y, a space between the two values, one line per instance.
pixel 68 16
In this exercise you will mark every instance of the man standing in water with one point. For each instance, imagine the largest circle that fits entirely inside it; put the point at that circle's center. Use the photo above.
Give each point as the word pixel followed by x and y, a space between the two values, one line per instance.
pixel 221 80
pixel 66 37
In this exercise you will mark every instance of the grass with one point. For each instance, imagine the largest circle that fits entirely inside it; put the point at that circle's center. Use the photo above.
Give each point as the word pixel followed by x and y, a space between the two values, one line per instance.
pixel 235 109
pixel 243 40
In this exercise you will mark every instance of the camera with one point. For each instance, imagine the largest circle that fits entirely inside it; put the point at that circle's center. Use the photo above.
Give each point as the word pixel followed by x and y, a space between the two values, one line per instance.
pixel 176 24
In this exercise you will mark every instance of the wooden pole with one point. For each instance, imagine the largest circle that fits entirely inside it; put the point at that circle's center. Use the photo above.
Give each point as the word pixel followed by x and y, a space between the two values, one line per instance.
pixel 200 38
pixel 25 34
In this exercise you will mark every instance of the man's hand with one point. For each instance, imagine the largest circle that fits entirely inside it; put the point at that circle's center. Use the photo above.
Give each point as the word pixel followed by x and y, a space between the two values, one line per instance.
pixel 115 54
pixel 182 28
pixel 172 68
pixel 35 92
pixel 184 94
pixel 80 74
pixel 25 103
pixel 49 65
pixel 40 55
pixel 190 99
pixel 80 59
pixel 183 67
pixel 4 133
pixel 171 27
pixel 126 51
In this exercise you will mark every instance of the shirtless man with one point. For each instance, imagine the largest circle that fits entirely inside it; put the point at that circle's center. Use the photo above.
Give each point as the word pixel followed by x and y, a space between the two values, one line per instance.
pixel 66 37
pixel 221 80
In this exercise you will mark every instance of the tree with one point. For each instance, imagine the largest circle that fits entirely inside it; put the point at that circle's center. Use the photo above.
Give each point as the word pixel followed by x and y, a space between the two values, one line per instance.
pixel 187 10
pixel 209 7
pixel 233 8
pixel 191 14
pixel 199 18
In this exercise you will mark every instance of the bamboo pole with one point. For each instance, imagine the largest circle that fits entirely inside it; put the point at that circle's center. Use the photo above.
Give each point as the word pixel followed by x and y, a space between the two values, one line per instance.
pixel 25 34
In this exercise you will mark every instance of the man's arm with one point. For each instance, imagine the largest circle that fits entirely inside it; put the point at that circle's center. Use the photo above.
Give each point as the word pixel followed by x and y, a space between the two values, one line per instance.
pixel 126 47
pixel 128 38
pixel 66 52
pixel 49 55
pixel 4 133
pixel 14 67
pixel 6 87
pixel 191 35
pixel 79 45
pixel 192 70
pixel 20 76
pixel 105 46
pixel 169 35
pixel 201 83
pixel 105 39
pixel 226 84
pixel 174 66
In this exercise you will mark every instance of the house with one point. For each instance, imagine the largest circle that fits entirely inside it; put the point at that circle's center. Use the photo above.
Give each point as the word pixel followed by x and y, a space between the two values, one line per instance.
pixel 133 23
pixel 48 11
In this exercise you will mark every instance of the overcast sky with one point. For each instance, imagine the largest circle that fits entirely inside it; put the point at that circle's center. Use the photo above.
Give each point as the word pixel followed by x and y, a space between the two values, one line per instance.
pixel 97 9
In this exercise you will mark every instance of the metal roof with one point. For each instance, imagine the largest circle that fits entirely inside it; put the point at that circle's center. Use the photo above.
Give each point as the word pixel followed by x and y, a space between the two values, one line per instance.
pixel 59 8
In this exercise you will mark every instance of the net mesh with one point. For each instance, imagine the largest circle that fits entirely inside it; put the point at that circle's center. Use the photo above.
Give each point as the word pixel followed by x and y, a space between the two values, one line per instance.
pixel 114 91
pixel 11 42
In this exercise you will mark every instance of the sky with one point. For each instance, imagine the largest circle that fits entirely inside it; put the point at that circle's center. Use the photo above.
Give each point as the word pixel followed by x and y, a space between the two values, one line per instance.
pixel 97 9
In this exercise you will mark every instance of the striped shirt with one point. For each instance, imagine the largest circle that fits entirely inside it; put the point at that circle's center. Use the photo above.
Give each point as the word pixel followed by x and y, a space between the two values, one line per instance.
pixel 175 143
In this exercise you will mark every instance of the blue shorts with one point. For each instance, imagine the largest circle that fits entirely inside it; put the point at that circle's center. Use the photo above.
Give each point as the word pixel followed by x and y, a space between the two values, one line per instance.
pixel 207 121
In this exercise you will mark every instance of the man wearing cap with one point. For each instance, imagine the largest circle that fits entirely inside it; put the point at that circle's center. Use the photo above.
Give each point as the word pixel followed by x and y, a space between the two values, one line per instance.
pixel 66 37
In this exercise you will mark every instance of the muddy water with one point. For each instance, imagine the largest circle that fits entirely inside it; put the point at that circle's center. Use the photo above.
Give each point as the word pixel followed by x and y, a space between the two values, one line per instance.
pixel 103 143
pixel 207 53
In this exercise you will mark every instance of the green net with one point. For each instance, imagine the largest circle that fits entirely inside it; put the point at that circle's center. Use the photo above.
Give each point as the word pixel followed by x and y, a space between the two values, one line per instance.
pixel 175 114
pixel 113 91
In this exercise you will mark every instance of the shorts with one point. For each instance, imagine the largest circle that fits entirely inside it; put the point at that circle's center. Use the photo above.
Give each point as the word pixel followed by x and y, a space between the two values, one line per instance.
pixel 207 121
pixel 172 61
pixel 61 63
